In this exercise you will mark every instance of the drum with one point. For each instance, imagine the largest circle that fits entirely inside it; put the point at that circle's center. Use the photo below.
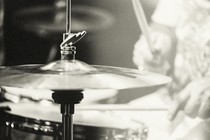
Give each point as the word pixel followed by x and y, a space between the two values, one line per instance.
pixel 38 122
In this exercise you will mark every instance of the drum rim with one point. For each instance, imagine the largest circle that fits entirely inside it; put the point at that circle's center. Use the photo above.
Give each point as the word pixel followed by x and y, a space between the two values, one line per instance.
pixel 53 128
pixel 22 123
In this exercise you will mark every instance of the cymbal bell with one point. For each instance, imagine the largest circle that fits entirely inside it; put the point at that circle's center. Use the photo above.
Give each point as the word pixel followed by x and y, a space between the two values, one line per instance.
pixel 76 75
pixel 51 20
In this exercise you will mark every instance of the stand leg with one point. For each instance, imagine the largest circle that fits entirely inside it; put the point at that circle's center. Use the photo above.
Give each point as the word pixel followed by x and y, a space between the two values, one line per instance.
pixel 67 99
pixel 67 111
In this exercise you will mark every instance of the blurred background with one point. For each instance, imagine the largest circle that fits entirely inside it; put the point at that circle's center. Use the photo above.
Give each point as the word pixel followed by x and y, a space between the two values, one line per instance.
pixel 33 30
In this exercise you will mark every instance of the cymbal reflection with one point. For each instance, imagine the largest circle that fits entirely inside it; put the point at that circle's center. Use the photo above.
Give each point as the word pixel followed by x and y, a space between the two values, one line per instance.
pixel 49 20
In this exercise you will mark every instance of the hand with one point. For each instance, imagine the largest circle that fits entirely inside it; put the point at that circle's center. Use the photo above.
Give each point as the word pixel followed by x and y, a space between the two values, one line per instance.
pixel 194 100
pixel 158 62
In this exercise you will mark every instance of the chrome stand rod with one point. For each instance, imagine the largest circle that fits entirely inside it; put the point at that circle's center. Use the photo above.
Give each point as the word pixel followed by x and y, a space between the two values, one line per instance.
pixel 68 16
pixel 67 121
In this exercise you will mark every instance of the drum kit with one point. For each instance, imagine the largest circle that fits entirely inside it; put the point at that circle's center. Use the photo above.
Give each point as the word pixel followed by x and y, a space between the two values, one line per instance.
pixel 44 122
pixel 67 79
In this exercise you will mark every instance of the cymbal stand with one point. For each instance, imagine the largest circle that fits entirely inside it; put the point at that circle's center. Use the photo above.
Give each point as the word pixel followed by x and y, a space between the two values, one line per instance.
pixel 67 99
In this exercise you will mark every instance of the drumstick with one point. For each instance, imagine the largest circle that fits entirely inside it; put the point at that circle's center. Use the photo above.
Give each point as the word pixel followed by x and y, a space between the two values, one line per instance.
pixel 117 107
pixel 142 22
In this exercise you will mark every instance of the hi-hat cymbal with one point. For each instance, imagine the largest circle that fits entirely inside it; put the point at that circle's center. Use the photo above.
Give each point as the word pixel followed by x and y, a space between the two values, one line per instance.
pixel 76 75
pixel 49 20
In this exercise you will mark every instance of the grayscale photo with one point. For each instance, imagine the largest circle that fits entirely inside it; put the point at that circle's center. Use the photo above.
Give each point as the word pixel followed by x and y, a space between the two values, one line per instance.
pixel 104 69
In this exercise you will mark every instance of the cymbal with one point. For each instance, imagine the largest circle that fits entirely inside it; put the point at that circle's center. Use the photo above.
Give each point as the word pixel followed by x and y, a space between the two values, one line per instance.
pixel 77 75
pixel 18 95
pixel 49 20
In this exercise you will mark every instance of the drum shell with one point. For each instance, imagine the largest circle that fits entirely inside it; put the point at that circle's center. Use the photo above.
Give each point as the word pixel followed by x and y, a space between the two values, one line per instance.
pixel 12 125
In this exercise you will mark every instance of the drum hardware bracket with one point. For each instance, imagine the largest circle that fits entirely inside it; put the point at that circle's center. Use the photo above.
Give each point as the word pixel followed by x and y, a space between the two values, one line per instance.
pixel 68 51
pixel 72 38
pixel 67 99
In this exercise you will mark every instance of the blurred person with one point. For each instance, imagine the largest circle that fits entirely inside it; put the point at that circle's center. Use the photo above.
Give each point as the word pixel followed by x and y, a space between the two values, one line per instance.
pixel 180 31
